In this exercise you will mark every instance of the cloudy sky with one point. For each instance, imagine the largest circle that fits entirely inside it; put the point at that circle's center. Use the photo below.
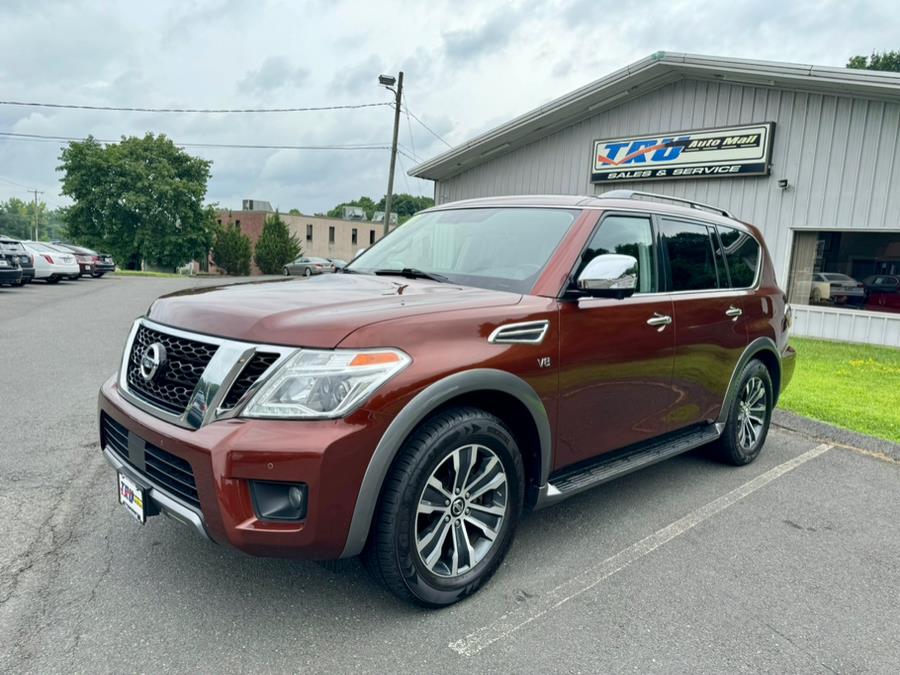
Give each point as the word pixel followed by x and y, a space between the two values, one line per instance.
pixel 468 66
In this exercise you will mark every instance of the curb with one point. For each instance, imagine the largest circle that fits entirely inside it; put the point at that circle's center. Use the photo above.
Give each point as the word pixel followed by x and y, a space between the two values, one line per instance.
pixel 821 430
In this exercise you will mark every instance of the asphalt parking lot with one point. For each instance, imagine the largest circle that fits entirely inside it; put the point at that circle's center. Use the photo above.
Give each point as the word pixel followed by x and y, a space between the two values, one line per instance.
pixel 787 565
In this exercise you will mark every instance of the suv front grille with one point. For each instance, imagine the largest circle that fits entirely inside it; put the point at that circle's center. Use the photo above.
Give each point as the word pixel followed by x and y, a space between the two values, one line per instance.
pixel 163 469
pixel 172 387
pixel 256 366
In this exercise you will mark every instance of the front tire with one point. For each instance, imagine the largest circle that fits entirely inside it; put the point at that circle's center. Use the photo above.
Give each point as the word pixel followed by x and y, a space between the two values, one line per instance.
pixel 285 271
pixel 307 272
pixel 749 418
pixel 448 510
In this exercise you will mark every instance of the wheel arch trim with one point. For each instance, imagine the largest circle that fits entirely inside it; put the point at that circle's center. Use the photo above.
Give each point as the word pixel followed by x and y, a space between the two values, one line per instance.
pixel 421 405
pixel 759 345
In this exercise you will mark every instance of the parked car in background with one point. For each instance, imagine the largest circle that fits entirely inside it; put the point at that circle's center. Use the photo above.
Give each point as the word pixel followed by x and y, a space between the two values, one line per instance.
pixel 14 248
pixel 409 409
pixel 337 263
pixel 843 289
pixel 90 261
pixel 84 257
pixel 51 263
pixel 883 292
pixel 10 272
pixel 307 267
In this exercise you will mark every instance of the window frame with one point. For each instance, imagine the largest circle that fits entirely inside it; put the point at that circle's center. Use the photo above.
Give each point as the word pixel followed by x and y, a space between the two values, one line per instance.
pixel 664 255
pixel 570 287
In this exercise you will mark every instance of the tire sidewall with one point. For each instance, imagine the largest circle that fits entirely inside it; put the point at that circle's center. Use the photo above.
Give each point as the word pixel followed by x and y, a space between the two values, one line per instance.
pixel 426 586
pixel 738 454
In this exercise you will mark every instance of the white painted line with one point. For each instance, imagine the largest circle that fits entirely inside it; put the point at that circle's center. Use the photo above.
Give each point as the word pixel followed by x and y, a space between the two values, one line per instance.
pixel 509 623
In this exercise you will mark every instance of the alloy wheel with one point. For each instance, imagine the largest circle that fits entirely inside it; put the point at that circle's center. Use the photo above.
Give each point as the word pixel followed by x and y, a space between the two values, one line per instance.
pixel 461 510
pixel 751 413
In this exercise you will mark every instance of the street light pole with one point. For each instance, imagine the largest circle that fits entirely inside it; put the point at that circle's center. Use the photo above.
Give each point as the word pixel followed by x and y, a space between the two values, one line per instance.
pixel 390 189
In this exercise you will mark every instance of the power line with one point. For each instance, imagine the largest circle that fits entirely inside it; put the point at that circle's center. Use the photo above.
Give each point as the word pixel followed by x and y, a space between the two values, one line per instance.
pixel 412 141
pixel 12 182
pixel 239 146
pixel 427 128
pixel 109 108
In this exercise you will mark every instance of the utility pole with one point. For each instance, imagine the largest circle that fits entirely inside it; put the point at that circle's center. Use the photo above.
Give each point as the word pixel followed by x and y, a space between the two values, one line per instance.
pixel 386 81
pixel 36 193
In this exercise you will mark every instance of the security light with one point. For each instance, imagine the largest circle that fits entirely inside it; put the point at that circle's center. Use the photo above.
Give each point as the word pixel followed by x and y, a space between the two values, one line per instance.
pixel 387 80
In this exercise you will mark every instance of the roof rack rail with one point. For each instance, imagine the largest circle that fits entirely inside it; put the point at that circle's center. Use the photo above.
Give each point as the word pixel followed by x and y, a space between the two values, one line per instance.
pixel 631 194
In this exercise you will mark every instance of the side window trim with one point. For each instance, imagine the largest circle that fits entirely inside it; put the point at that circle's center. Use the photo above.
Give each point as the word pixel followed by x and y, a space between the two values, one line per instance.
pixel 654 236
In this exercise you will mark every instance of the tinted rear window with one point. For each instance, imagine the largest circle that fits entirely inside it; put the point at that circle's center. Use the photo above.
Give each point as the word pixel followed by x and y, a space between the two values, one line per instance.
pixel 690 253
pixel 742 253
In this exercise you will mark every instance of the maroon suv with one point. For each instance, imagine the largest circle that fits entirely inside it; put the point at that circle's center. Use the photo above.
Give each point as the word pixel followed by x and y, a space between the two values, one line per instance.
pixel 489 355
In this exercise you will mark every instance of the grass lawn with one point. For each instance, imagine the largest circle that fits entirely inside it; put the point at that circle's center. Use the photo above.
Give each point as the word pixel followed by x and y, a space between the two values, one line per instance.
pixel 849 385
pixel 138 273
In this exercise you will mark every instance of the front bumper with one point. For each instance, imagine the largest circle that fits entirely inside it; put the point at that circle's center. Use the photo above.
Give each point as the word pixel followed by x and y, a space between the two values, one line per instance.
pixel 104 267
pixel 330 456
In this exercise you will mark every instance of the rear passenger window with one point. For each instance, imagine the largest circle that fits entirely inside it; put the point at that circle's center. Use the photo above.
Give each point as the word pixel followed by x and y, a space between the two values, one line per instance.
pixel 742 253
pixel 690 254
pixel 626 235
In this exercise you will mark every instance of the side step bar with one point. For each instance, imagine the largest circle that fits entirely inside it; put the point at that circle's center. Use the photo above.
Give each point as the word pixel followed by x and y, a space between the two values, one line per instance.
pixel 571 482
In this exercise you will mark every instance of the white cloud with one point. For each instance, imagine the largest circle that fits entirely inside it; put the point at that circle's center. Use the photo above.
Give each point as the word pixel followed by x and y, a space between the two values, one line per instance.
pixel 468 65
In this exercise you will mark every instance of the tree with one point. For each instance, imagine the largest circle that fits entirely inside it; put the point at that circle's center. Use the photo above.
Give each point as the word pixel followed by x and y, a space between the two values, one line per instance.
pixel 140 199
pixel 406 205
pixel 276 247
pixel 295 212
pixel 232 250
pixel 889 61
pixel 364 202
pixel 16 219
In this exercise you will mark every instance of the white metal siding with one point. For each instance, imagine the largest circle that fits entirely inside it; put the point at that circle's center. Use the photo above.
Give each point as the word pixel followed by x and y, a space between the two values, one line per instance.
pixel 847 326
pixel 840 155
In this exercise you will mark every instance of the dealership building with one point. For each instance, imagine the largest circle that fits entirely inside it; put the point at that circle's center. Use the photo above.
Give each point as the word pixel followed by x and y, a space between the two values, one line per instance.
pixel 809 154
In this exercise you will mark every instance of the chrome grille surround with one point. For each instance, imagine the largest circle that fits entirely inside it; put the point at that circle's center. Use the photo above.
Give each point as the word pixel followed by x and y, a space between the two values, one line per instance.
pixel 205 400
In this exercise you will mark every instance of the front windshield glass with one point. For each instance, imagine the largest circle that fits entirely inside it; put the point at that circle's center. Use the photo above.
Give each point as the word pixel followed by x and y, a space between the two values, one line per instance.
pixel 499 248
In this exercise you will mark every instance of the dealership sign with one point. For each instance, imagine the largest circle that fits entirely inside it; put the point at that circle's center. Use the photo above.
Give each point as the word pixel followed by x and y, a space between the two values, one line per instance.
pixel 705 153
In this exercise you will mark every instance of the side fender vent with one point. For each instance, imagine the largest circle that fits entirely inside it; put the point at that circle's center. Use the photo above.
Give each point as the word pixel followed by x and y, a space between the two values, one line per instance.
pixel 527 333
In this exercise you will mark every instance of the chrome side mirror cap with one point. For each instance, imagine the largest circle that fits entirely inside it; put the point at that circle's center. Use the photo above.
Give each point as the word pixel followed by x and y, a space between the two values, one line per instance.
pixel 610 275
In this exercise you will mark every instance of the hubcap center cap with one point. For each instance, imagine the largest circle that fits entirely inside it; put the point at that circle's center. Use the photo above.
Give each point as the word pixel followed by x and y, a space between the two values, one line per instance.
pixel 457 507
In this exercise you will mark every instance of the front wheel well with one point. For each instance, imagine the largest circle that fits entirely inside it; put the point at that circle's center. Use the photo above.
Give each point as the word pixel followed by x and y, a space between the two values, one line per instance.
pixel 516 416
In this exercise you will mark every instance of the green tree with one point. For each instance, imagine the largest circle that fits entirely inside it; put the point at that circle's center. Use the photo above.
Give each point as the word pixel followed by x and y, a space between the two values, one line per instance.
pixel 139 199
pixel 232 250
pixel 889 61
pixel 276 246
pixel 16 218
pixel 295 212
pixel 406 205
pixel 364 202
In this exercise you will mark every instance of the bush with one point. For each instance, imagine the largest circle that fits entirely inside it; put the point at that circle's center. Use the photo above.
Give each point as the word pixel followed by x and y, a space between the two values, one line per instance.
pixel 276 247
pixel 231 251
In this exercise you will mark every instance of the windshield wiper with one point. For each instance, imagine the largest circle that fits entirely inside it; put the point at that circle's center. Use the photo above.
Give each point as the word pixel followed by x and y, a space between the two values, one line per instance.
pixel 411 273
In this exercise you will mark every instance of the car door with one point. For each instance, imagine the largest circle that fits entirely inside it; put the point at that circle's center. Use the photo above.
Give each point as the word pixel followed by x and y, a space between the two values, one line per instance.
pixel 615 357
pixel 710 327
pixel 297 266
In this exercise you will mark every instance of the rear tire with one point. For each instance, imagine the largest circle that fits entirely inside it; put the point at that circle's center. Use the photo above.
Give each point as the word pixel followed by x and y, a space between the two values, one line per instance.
pixel 52 280
pixel 448 510
pixel 307 272
pixel 749 418
pixel 97 275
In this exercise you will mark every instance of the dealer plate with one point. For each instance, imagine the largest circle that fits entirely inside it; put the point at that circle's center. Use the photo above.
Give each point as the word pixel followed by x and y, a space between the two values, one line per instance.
pixel 132 496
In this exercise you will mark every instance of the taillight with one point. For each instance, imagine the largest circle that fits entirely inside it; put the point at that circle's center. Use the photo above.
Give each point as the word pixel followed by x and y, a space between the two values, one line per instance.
pixel 47 258
pixel 95 258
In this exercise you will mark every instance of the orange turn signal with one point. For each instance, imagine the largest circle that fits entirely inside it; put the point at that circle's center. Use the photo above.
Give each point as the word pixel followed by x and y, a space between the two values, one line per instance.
pixel 374 359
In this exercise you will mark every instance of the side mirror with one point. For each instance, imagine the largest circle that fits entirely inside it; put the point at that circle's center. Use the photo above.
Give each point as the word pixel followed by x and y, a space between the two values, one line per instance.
pixel 610 275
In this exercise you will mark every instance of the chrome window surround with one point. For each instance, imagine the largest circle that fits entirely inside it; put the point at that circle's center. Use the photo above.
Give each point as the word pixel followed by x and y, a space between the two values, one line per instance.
pixel 219 375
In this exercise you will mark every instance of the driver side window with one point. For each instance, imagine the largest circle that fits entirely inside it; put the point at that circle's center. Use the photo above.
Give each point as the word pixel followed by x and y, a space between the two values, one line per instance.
pixel 625 235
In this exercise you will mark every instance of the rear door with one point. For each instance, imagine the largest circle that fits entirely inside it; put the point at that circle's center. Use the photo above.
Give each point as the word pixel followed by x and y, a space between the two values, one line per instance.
pixel 710 327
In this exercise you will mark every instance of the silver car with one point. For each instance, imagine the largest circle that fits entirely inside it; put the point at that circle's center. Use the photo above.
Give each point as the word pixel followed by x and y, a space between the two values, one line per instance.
pixel 307 267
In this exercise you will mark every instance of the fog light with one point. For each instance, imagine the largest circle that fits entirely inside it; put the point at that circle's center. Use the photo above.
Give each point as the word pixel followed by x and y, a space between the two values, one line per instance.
pixel 279 501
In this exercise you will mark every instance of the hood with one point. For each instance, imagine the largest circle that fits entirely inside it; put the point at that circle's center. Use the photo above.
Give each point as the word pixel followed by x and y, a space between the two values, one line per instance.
pixel 316 312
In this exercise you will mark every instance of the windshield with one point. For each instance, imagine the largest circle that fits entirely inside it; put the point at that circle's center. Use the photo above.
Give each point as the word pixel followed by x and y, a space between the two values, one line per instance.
pixel 498 248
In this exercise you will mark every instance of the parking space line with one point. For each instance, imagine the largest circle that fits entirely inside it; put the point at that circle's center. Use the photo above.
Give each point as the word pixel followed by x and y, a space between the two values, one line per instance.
pixel 510 623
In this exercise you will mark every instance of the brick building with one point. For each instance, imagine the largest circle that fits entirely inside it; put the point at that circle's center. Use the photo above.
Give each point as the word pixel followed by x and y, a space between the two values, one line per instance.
pixel 319 236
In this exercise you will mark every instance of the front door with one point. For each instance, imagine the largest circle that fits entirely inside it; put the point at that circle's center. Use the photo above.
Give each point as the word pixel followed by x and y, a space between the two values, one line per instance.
pixel 710 320
pixel 615 368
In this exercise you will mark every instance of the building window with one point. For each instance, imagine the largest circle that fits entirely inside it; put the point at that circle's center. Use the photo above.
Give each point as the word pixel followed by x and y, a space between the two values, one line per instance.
pixel 309 230
pixel 331 234
pixel 371 237
pixel 851 270
pixel 219 221
pixel 237 225
pixel 353 236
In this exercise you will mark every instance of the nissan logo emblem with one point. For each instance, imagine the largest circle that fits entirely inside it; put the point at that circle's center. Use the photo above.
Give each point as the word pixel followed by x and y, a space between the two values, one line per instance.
pixel 153 358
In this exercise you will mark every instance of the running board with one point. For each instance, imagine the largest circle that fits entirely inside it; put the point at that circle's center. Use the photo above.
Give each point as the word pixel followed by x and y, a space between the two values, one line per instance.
pixel 571 482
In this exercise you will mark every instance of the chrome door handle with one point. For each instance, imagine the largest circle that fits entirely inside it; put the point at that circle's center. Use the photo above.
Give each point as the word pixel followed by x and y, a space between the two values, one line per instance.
pixel 661 320
pixel 734 312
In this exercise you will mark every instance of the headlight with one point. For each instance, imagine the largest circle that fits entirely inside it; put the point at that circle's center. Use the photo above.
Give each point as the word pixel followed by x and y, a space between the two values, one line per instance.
pixel 314 384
